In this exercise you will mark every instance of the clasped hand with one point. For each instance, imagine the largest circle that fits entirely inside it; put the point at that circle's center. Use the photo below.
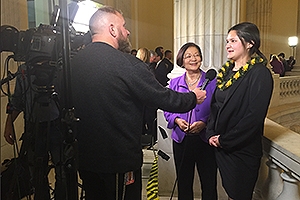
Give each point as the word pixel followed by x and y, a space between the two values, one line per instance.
pixel 186 127
pixel 214 141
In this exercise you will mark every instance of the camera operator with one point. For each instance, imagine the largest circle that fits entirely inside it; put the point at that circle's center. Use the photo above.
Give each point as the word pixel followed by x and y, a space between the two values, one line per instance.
pixel 42 137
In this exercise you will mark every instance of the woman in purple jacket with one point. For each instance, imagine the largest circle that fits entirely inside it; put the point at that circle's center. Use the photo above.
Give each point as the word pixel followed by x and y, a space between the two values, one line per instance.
pixel 190 146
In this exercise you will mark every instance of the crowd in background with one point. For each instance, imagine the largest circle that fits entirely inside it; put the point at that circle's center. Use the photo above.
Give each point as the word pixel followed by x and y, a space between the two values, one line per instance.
pixel 159 62
pixel 280 64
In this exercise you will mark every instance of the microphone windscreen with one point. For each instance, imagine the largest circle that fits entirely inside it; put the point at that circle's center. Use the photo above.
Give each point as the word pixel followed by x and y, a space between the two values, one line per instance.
pixel 210 74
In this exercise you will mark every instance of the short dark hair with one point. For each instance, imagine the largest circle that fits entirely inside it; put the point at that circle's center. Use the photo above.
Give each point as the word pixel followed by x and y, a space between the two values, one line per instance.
pixel 281 55
pixel 182 50
pixel 167 52
pixel 133 51
pixel 158 51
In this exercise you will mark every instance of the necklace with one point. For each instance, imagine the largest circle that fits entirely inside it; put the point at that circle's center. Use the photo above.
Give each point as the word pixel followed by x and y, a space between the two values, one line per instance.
pixel 192 83
pixel 223 72
pixel 235 68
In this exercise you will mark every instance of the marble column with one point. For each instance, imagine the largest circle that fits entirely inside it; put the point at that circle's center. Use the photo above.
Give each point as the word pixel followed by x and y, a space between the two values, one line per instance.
pixel 259 12
pixel 206 23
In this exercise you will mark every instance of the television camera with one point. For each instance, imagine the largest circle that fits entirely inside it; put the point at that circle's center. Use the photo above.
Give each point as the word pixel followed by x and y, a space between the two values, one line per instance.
pixel 40 43
pixel 46 50
pixel 40 48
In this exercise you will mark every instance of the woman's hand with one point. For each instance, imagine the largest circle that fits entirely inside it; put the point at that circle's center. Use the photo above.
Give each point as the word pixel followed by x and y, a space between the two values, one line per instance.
pixel 183 125
pixel 196 127
pixel 214 141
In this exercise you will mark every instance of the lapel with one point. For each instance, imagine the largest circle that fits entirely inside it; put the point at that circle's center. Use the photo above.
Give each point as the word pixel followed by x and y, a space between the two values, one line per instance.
pixel 233 88
pixel 231 92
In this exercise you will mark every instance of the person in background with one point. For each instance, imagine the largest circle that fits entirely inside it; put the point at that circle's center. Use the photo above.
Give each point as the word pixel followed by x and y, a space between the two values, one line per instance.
pixel 118 88
pixel 169 55
pixel 291 62
pixel 133 52
pixel 153 61
pixel 238 110
pixel 190 146
pixel 160 52
pixel 153 56
pixel 286 67
pixel 144 55
pixel 163 68
pixel 277 65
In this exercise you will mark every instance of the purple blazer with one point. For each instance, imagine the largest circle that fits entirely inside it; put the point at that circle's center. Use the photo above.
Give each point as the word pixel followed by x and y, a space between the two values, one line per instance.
pixel 201 110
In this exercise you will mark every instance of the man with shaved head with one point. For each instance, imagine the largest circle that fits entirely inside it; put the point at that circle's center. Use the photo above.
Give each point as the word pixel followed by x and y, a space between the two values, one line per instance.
pixel 109 26
pixel 110 90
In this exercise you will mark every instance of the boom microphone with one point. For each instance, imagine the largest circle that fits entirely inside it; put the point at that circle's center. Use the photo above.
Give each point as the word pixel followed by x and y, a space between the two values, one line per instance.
pixel 209 76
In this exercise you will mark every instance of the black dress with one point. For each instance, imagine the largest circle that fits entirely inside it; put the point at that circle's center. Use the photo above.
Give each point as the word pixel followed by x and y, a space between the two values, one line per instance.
pixel 237 115
pixel 238 176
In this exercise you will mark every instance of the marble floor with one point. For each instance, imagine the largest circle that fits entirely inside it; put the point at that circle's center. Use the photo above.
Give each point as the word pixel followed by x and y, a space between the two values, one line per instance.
pixel 148 160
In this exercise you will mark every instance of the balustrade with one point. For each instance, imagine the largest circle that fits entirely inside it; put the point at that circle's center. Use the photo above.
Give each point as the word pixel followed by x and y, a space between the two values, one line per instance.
pixel 289 89
pixel 272 186
pixel 290 188
pixel 279 185
pixel 281 147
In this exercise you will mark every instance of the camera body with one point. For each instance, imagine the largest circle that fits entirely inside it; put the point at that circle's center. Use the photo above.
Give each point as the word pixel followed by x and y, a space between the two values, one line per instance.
pixel 43 43
pixel 29 45
pixel 40 49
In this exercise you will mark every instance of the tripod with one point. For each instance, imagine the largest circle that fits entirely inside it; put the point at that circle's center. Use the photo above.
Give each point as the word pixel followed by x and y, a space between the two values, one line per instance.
pixel 35 95
pixel 47 143
pixel 43 137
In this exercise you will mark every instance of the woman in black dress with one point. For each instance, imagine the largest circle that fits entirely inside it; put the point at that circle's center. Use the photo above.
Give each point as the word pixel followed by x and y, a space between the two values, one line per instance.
pixel 238 110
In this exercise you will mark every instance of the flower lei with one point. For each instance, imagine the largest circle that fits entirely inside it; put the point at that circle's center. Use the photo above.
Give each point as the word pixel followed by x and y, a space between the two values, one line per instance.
pixel 222 84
